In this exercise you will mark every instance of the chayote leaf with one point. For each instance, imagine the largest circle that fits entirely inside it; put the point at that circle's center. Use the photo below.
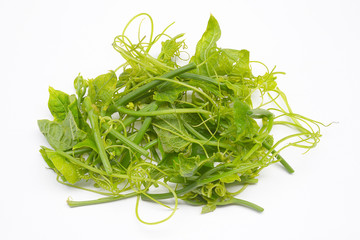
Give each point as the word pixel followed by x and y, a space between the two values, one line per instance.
pixel 169 92
pixel 240 91
pixel 169 129
pixel 187 166
pixel 80 86
pixel 62 135
pixel 210 88
pixel 58 104
pixel 66 168
pixel 73 108
pixel 101 89
pixel 208 208
pixel 78 117
pixel 170 49
pixel 46 158
pixel 206 49
pixel 219 61
pixel 246 127
pixel 230 178
pixel 88 142
pixel 233 62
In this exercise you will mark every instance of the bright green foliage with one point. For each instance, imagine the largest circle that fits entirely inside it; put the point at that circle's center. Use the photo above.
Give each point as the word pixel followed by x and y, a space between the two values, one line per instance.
pixel 46 158
pixel 187 166
pixel 171 133
pixel 206 48
pixel 246 127
pixel 171 49
pixel 58 104
pixel 194 126
pixel 208 208
pixel 230 178
pixel 169 92
pixel 62 135
pixel 233 62
pixel 66 168
pixel 101 89
pixel 88 142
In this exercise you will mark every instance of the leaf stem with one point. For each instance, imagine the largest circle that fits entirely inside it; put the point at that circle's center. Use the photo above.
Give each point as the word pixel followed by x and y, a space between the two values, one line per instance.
pixel 97 136
pixel 199 182
pixel 131 119
pixel 134 94
pixel 139 136
pixel 162 112
pixel 72 203
pixel 241 202
pixel 279 157
pixel 201 78
pixel 125 140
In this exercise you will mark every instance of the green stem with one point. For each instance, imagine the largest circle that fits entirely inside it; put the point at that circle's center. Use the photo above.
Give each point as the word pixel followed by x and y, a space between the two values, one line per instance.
pixel 250 181
pixel 97 136
pixel 125 140
pixel 286 165
pixel 179 192
pixel 151 144
pixel 251 152
pixel 131 119
pixel 72 203
pixel 263 114
pixel 82 164
pixel 194 132
pixel 279 157
pixel 162 112
pixel 134 94
pixel 201 78
pixel 139 136
pixel 201 142
pixel 198 183
pixel 240 202
pixel 215 144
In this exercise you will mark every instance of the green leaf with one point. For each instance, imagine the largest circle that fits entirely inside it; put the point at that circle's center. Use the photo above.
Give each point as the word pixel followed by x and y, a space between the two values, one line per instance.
pixel 206 48
pixel 62 135
pixel 102 88
pixel 234 62
pixel 246 127
pixel 61 103
pixel 219 61
pixel 66 168
pixel 169 92
pixel 73 107
pixel 230 178
pixel 267 82
pixel 58 104
pixel 208 208
pixel 80 86
pixel 87 143
pixel 241 62
pixel 211 89
pixel 170 49
pixel 78 117
pixel 187 166
pixel 46 158
pixel 171 133
pixel 241 91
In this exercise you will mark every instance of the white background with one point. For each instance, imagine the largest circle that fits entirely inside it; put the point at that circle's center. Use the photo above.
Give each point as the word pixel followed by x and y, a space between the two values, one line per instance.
pixel 47 43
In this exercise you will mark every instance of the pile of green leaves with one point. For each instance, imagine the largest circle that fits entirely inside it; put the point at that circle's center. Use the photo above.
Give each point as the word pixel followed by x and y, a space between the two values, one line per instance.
pixel 158 130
